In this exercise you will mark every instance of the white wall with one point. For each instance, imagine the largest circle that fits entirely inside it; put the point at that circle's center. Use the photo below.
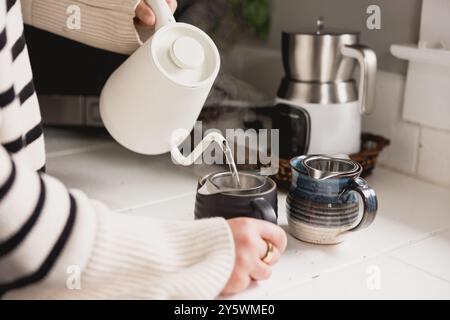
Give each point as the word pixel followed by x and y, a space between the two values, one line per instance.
pixel 415 149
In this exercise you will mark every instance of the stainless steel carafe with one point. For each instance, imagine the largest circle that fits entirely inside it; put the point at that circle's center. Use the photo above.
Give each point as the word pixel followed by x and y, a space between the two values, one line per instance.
pixel 320 65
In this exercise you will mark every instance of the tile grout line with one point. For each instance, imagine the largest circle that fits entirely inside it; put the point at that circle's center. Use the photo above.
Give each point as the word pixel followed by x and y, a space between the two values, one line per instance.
pixel 430 235
pixel 419 153
pixel 417 268
pixel 151 203
pixel 382 253
pixel 414 176
pixel 427 236
pixel 69 152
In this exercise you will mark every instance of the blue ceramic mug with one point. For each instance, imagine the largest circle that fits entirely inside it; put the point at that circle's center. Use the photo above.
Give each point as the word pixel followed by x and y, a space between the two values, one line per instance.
pixel 323 202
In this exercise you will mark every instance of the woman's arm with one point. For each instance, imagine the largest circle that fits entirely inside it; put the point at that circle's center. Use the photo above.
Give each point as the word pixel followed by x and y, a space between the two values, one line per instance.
pixel 55 243
pixel 52 239
pixel 104 24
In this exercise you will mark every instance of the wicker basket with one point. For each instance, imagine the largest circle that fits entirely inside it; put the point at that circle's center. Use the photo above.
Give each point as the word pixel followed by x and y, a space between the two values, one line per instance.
pixel 372 145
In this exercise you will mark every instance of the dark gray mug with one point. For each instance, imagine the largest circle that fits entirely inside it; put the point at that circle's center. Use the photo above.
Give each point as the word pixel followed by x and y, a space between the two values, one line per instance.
pixel 261 203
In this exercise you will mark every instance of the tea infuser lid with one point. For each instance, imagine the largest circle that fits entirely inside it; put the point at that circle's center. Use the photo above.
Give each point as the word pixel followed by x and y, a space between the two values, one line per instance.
pixel 324 167
pixel 222 182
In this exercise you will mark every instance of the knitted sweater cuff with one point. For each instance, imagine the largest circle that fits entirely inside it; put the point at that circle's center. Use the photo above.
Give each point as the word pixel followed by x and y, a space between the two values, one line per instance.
pixel 135 257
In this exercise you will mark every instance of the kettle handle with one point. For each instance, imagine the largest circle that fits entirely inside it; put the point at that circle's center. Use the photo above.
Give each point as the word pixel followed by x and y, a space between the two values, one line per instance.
pixel 162 12
pixel 368 64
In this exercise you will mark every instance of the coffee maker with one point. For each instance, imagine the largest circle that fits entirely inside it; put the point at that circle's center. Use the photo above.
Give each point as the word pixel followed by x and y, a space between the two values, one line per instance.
pixel 319 104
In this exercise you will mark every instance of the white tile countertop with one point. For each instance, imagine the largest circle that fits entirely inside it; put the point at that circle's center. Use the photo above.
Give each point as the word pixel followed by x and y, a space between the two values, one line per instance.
pixel 404 254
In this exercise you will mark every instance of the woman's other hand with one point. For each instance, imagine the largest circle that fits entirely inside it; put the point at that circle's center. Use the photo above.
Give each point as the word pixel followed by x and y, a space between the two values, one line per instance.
pixel 251 238
pixel 146 16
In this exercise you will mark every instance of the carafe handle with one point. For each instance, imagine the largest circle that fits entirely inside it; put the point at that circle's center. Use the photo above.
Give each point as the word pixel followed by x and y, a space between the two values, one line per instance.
pixel 370 202
pixel 162 12
pixel 368 64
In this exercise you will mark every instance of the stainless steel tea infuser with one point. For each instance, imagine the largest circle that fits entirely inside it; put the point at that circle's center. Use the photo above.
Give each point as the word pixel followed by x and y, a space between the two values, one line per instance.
pixel 223 182
pixel 323 167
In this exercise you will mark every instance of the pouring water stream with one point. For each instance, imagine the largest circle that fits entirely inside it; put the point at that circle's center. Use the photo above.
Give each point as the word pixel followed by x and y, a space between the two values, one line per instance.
pixel 201 147
pixel 231 163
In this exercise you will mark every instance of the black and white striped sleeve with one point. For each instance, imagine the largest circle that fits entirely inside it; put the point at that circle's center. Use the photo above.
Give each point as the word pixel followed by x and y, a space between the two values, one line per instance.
pixel 38 216
pixel 48 231
pixel 21 132
pixel 37 213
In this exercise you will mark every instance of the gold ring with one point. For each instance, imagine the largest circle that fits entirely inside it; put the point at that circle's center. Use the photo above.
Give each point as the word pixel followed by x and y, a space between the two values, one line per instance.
pixel 269 254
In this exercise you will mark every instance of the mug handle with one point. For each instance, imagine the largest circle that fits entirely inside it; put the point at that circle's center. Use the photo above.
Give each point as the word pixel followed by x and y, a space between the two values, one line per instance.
pixel 265 210
pixel 370 202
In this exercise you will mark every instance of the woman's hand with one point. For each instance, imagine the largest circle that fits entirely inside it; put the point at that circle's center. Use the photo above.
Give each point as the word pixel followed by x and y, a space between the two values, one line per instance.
pixel 250 238
pixel 146 16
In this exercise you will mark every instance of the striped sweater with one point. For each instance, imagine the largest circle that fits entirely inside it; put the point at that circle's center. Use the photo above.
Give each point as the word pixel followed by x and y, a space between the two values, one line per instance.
pixel 56 243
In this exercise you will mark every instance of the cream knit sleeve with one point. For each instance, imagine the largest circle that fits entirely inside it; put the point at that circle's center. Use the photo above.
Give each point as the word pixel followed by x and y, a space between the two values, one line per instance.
pixel 58 244
pixel 104 24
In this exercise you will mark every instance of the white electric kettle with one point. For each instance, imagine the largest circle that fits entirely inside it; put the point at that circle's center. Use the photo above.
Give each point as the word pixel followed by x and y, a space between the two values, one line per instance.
pixel 319 103
pixel 152 101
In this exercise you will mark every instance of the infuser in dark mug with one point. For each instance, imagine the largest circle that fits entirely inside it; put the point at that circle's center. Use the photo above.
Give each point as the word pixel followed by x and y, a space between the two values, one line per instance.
pixel 323 202
pixel 217 196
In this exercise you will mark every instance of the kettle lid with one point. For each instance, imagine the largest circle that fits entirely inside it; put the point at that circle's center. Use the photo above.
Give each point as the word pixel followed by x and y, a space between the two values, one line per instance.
pixel 185 54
